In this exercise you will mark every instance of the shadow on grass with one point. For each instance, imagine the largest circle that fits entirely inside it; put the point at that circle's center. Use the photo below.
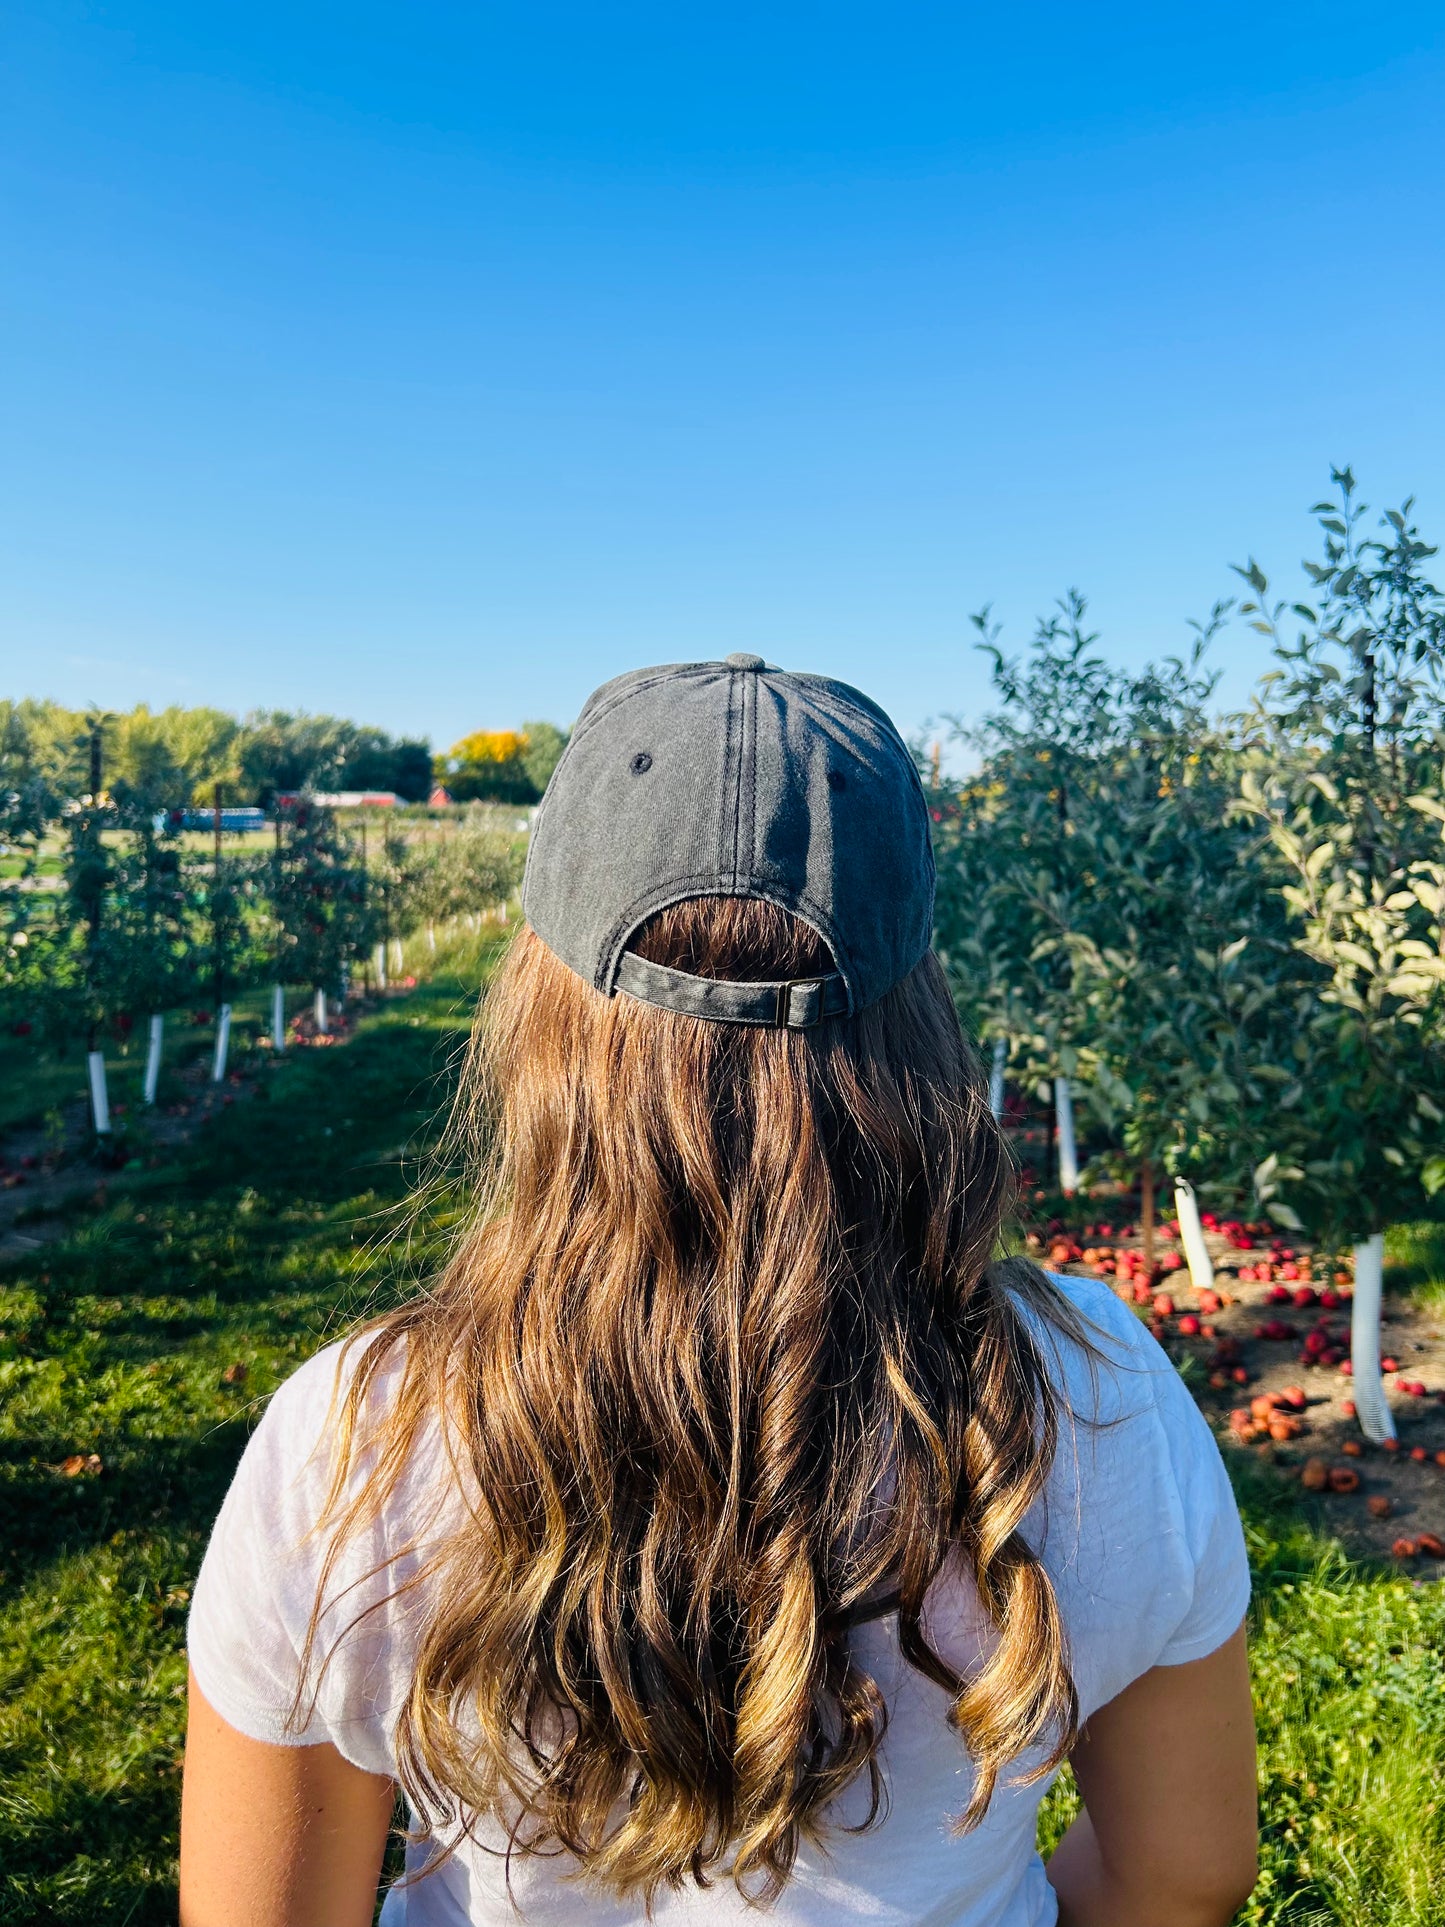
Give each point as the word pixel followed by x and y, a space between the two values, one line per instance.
pixel 45 1516
pixel 269 1231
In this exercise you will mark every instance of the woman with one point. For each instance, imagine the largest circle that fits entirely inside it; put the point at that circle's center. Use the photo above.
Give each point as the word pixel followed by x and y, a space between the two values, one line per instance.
pixel 726 1528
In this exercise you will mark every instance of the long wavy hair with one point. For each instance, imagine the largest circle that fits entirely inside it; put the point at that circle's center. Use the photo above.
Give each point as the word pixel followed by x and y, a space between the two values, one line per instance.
pixel 727 1365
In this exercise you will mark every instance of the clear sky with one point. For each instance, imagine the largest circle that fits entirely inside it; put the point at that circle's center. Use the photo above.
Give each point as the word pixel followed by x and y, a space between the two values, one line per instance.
pixel 429 363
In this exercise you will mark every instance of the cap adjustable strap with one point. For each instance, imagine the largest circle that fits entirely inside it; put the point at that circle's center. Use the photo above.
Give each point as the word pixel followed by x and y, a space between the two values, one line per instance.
pixel 795 1004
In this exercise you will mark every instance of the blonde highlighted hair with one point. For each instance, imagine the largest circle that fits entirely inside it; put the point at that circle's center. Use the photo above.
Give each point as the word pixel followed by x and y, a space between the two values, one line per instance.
pixel 729 1367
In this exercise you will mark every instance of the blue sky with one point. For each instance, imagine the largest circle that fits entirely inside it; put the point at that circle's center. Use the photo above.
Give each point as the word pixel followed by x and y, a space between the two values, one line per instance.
pixel 431 363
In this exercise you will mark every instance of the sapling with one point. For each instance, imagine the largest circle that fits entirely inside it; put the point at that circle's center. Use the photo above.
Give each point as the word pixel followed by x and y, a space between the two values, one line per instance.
pixel 1091 899
pixel 1345 780
pixel 318 909
pixel 151 947
pixel 278 1017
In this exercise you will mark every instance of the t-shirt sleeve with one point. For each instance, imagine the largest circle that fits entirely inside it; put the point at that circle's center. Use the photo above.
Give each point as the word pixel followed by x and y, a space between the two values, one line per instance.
pixel 257 1588
pixel 252 1601
pixel 1210 1525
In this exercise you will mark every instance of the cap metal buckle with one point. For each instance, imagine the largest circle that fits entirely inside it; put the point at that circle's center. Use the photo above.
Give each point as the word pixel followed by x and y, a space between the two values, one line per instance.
pixel 784 1015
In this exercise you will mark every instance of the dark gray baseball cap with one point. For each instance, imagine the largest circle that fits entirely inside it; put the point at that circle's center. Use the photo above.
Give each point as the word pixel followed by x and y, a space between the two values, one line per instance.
pixel 734 779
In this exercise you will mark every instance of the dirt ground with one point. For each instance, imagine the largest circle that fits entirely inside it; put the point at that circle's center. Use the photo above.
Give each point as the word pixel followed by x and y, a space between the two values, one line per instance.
pixel 1407 1485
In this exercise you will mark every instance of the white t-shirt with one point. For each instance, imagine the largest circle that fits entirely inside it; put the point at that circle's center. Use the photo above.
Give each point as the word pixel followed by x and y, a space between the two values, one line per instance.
pixel 1137 1528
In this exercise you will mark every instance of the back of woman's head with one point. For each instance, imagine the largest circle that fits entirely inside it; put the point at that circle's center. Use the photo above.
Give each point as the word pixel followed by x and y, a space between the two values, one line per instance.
pixel 727 1365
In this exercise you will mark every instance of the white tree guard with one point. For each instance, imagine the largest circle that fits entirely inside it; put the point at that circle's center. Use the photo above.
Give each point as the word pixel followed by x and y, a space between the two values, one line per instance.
pixel 1068 1149
pixel 1371 1406
pixel 378 964
pixel 1191 1233
pixel 278 1016
pixel 323 1025
pixel 398 957
pixel 995 1076
pixel 155 1044
pixel 223 1044
pixel 99 1096
pixel 431 938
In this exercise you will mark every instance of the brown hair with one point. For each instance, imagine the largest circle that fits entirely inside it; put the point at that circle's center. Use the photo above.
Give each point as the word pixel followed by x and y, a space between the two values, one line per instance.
pixel 724 1357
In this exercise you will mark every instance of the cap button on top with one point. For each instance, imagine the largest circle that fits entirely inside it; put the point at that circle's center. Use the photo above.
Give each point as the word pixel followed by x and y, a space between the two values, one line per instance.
pixel 741 660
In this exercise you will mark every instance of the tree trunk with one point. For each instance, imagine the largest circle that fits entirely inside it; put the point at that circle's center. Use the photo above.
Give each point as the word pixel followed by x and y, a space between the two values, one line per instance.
pixel 1371 1408
pixel 995 1081
pixel 1191 1232
pixel 223 1044
pixel 1146 1212
pixel 154 1046
pixel 1068 1149
pixel 99 1096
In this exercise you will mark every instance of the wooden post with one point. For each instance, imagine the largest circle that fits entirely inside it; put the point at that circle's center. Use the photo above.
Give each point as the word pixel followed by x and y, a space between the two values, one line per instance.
pixel 93 913
pixel 220 959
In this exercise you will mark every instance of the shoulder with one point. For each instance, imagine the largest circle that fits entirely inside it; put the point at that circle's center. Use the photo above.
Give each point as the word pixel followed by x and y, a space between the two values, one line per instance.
pixel 289 1458
pixel 303 1411
pixel 282 1602
pixel 1098 1354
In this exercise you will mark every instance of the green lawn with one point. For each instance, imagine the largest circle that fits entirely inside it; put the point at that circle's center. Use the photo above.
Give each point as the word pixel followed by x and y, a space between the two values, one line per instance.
pixel 36 1081
pixel 259 1245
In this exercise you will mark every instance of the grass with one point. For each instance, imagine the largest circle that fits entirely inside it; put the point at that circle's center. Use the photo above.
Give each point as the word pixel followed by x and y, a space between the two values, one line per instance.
pixel 1415 1263
pixel 253 1248
pixel 36 1080
pixel 1348 1663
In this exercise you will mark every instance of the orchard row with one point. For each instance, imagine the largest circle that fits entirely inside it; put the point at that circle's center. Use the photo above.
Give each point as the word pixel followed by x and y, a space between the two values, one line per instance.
pixel 1214 947
pixel 138 919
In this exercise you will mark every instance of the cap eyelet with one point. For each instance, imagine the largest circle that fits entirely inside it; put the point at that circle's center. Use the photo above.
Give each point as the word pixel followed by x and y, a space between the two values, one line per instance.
pixel 641 763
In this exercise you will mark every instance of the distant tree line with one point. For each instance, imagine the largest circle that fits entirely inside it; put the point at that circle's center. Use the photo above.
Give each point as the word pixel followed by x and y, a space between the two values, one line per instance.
pixel 501 765
pixel 177 755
